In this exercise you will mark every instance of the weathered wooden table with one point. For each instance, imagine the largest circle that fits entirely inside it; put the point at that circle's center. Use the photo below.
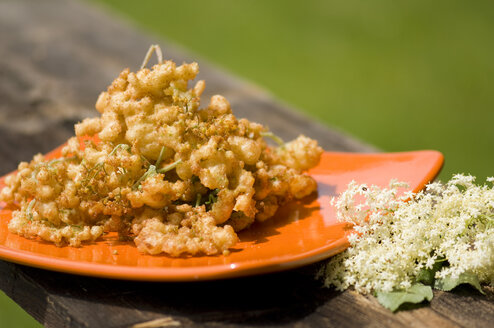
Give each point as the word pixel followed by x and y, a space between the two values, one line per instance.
pixel 55 58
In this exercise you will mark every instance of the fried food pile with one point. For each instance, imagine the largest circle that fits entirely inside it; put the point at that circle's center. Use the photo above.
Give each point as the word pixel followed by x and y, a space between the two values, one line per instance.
pixel 173 178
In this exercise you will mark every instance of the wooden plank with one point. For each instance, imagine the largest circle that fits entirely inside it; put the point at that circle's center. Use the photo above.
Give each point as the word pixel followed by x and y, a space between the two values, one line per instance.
pixel 56 57
pixel 291 298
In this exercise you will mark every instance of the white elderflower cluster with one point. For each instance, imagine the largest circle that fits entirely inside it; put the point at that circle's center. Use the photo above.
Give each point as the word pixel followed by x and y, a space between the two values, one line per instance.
pixel 396 237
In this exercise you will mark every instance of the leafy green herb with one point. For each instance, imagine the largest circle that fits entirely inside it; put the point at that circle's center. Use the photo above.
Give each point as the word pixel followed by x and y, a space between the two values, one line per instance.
pixel 456 213
pixel 274 137
pixel 415 294
pixel 427 276
pixel 449 283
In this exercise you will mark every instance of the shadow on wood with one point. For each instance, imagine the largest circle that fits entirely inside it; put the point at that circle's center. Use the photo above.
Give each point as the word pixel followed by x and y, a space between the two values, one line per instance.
pixel 281 298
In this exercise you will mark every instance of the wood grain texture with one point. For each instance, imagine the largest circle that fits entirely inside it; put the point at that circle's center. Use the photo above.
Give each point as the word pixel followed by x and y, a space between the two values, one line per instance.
pixel 55 58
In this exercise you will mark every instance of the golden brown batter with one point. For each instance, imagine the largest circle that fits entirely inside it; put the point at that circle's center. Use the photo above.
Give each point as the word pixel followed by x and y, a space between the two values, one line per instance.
pixel 174 178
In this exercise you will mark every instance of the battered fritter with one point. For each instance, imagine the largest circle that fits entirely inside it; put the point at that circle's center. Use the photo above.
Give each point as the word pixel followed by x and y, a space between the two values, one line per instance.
pixel 174 178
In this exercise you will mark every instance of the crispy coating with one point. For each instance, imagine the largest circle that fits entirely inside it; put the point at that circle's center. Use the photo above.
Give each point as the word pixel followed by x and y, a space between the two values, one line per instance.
pixel 174 178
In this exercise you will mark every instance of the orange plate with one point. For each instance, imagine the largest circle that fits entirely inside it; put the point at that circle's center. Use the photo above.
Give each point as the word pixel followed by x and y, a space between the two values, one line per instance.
pixel 300 233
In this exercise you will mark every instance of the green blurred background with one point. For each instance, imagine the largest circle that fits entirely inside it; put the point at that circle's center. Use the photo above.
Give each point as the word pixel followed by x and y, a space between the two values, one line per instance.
pixel 401 75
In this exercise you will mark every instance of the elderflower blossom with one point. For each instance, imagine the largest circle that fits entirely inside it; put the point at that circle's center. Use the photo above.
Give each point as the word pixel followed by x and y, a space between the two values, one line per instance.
pixel 398 236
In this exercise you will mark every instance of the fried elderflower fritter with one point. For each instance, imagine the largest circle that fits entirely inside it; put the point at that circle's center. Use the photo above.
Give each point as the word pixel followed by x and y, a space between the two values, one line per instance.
pixel 174 178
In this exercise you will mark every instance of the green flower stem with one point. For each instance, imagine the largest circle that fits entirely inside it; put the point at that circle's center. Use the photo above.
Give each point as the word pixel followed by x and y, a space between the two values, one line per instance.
pixel 125 146
pixel 198 200
pixel 169 167
pixel 61 159
pixel 160 157
pixel 153 171
pixel 150 172
pixel 29 209
pixel 274 137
